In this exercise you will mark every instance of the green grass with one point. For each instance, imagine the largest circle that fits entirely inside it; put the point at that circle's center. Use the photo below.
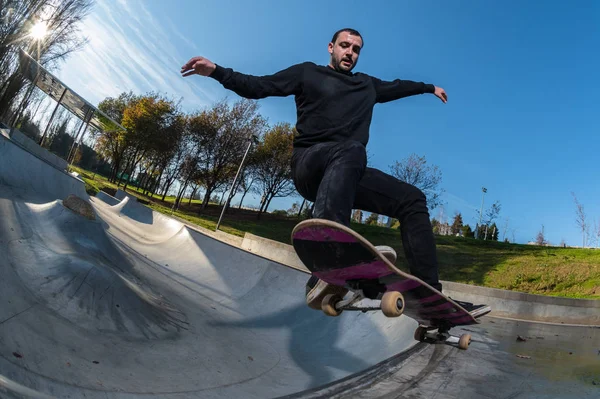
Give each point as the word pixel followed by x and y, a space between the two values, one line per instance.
pixel 565 272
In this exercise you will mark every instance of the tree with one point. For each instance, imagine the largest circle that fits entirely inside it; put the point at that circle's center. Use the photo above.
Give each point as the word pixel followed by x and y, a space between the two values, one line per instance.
pixel 246 184
pixel 225 135
pixel 467 231
pixel 414 170
pixel 62 20
pixel 505 229
pixel 111 144
pixel 372 219
pixel 457 224
pixel 171 170
pixel 493 212
pixel 541 238
pixel 491 215
pixel 148 119
pixel 168 149
pixel 294 210
pixel 580 217
pixel 272 164
pixel 493 232
pixel 435 225
pixel 357 216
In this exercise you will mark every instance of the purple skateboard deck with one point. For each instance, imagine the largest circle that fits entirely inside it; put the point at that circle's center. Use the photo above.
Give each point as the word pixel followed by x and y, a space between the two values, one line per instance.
pixel 340 256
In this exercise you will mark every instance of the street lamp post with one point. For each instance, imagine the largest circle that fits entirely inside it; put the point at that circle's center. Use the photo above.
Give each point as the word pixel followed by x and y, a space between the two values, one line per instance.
pixel 483 191
pixel 252 140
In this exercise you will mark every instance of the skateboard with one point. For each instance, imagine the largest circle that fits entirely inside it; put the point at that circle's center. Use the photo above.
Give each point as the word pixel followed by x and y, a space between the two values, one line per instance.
pixel 339 256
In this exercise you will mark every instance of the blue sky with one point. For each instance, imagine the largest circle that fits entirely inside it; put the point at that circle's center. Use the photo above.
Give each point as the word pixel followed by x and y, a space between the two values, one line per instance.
pixel 521 78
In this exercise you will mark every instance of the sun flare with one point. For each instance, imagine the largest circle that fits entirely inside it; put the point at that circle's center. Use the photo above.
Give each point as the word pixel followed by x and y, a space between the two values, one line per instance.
pixel 39 30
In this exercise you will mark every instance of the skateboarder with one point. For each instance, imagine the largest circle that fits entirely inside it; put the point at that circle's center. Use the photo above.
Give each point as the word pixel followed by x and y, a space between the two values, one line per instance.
pixel 329 162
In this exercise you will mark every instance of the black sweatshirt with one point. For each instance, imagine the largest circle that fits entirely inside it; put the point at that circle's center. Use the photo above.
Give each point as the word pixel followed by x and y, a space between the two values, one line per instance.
pixel 330 105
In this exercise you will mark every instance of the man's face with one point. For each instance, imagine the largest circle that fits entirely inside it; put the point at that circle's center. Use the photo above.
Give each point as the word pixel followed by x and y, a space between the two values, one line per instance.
pixel 344 52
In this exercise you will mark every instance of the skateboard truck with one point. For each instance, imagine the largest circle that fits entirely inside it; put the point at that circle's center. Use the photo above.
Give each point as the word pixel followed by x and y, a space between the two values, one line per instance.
pixel 391 304
pixel 441 334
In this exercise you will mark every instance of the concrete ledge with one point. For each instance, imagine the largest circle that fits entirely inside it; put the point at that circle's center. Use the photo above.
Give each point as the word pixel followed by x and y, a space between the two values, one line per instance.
pixel 107 198
pixel 31 146
pixel 519 305
pixel 226 238
pixel 273 250
pixel 41 180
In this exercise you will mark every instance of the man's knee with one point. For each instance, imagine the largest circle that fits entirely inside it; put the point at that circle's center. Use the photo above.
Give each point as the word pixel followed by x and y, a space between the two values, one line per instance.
pixel 412 201
pixel 417 194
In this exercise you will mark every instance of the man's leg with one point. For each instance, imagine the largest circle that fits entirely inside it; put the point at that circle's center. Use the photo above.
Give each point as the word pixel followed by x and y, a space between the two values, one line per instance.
pixel 328 174
pixel 383 194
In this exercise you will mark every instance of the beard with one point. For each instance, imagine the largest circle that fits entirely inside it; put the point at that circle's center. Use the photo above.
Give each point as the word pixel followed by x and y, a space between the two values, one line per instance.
pixel 338 64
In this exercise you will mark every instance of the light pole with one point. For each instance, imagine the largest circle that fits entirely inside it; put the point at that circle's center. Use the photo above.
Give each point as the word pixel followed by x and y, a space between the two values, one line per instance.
pixel 252 140
pixel 483 191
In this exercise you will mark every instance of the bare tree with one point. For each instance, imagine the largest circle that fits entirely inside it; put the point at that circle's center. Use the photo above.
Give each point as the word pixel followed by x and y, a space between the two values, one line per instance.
pixel 173 165
pixel 580 218
pixel 505 229
pixel 491 215
pixel 541 238
pixel 61 19
pixel 414 170
pixel 246 184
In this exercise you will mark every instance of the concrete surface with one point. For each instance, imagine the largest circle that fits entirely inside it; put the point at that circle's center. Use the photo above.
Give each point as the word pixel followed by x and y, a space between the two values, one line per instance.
pixel 135 305
pixel 34 148
pixel 34 178
pixel 551 361
pixel 523 306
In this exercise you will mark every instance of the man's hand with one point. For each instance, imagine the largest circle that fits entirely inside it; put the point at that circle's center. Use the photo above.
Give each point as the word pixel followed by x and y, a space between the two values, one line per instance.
pixel 198 66
pixel 441 94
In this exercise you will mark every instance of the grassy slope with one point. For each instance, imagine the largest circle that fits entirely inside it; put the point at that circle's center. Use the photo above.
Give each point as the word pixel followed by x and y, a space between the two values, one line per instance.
pixel 554 271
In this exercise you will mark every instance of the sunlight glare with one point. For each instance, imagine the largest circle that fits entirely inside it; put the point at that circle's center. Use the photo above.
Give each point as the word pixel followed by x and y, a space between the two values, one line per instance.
pixel 39 30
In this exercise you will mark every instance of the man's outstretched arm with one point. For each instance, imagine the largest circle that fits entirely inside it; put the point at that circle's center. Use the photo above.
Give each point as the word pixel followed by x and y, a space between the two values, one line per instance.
pixel 396 89
pixel 280 84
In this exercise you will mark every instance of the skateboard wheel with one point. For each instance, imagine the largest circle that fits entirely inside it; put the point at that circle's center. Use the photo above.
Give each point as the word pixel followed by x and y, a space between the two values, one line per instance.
pixel 420 333
pixel 328 305
pixel 392 304
pixel 464 341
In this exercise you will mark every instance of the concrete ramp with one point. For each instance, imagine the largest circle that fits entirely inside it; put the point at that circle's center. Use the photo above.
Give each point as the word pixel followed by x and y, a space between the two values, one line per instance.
pixel 134 304
pixel 144 224
pixel 34 178
pixel 137 305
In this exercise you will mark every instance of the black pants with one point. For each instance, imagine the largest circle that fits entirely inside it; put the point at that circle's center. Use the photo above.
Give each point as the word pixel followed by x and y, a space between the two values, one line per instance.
pixel 336 178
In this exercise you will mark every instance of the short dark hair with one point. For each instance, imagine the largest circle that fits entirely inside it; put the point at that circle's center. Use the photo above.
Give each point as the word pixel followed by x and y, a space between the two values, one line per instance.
pixel 349 30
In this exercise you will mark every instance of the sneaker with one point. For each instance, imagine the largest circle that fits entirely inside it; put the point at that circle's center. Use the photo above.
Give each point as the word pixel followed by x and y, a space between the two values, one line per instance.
pixel 475 310
pixel 317 289
pixel 388 252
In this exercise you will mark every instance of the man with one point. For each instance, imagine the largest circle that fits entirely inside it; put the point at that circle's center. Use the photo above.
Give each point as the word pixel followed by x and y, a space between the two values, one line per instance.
pixel 329 162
